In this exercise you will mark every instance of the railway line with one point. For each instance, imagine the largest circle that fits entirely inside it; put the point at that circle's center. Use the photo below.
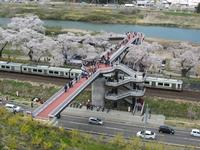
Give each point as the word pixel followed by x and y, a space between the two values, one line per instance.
pixel 184 95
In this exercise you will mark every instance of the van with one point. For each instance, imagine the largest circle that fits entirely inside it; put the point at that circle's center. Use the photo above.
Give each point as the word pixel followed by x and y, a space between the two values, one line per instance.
pixel 13 108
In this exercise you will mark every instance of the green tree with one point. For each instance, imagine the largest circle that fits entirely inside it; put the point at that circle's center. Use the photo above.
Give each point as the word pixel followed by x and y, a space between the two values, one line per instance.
pixel 198 8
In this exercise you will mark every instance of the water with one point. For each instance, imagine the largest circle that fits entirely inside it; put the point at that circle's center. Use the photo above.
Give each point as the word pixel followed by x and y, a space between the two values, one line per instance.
pixel 170 33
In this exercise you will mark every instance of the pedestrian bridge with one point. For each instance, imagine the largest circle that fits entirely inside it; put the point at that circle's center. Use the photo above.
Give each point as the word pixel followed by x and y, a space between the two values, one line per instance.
pixel 60 100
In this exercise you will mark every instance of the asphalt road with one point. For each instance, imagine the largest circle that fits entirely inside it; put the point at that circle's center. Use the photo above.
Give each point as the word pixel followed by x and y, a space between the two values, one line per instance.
pixel 181 137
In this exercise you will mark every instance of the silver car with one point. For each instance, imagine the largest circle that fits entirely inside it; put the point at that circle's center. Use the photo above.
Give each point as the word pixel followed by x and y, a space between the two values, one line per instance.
pixel 95 120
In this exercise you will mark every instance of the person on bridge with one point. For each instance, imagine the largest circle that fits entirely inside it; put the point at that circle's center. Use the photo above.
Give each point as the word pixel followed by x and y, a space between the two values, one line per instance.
pixel 65 87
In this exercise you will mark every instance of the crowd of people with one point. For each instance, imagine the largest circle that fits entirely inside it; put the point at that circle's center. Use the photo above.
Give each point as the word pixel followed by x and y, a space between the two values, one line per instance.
pixel 90 66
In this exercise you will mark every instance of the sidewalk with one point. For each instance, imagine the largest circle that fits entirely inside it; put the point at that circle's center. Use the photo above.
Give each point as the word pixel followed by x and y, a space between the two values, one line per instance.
pixel 115 116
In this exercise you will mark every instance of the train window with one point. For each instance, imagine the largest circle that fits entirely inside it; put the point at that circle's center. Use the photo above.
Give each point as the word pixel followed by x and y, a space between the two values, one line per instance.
pixel 2 66
pixel 166 84
pixel 25 69
pixel 39 70
pixel 160 84
pixel 7 67
pixel 146 82
pixel 51 72
pixel 34 70
pixel 72 74
pixel 55 72
pixel 66 73
pixel 179 86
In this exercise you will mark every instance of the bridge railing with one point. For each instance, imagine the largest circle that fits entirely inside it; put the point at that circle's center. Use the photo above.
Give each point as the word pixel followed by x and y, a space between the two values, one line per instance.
pixel 125 81
pixel 69 99
pixel 48 102
pixel 119 96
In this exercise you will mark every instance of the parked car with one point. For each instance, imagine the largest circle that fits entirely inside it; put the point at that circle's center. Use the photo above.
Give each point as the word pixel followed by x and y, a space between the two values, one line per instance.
pixel 95 120
pixel 195 132
pixel 13 108
pixel 166 129
pixel 148 134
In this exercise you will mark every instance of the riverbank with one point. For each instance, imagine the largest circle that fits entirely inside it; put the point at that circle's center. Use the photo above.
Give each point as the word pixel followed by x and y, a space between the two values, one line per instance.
pixel 96 14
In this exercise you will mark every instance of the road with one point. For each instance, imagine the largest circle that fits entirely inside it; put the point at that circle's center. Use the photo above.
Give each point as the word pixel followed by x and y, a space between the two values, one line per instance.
pixel 181 137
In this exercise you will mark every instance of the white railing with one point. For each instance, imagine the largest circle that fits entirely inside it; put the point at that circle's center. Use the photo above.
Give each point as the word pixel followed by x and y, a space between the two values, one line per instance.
pixel 121 82
pixel 48 102
pixel 68 100
pixel 121 50
pixel 119 96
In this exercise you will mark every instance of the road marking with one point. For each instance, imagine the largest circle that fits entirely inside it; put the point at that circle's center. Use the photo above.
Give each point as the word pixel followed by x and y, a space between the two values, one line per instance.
pixel 101 126
pixel 192 139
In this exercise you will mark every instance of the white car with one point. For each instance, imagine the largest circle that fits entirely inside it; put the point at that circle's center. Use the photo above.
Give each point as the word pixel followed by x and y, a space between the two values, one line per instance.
pixel 148 134
pixel 95 120
pixel 12 108
pixel 195 132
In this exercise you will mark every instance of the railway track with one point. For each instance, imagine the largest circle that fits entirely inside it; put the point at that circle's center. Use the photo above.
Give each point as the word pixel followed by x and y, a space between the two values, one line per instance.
pixel 184 95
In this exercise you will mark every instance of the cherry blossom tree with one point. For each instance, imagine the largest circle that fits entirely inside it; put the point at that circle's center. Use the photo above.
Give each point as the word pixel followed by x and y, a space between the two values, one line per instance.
pixel 186 58
pixel 6 37
pixel 25 38
pixel 185 62
pixel 29 22
pixel 142 57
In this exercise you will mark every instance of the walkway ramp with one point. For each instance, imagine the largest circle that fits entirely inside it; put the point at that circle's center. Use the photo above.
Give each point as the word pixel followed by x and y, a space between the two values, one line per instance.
pixel 62 99
pixel 124 48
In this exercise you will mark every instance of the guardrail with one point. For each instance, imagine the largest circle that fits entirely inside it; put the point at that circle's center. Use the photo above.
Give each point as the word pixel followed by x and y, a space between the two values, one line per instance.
pixel 125 81
pixel 73 95
pixel 48 102
pixel 119 96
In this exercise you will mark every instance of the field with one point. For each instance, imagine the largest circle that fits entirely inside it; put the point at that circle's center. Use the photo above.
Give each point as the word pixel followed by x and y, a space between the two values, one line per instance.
pixel 88 13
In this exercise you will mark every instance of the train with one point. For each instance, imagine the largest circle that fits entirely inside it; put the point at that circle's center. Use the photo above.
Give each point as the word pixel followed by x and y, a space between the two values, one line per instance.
pixel 70 73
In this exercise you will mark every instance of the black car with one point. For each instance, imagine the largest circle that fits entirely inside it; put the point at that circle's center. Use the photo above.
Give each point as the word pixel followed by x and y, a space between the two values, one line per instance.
pixel 166 129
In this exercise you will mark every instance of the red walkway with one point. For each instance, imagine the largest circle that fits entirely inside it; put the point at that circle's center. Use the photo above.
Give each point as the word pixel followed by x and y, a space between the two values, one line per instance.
pixel 64 97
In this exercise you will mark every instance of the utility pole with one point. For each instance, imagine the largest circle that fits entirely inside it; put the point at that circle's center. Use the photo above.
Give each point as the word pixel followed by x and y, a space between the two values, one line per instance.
pixel 145 124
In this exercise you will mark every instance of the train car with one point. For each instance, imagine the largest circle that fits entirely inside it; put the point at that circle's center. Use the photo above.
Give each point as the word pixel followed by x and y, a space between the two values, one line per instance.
pixel 74 73
pixel 164 83
pixel 11 67
pixel 59 72
pixel 38 70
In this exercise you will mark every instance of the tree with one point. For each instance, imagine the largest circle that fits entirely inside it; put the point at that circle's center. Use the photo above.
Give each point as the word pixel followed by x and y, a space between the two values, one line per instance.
pixel 25 40
pixel 20 31
pixel 6 37
pixel 185 62
pixel 141 57
pixel 28 22
pixel 198 8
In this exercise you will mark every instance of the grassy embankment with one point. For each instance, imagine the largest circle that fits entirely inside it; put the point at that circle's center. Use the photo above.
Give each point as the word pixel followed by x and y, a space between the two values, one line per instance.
pixel 184 111
pixel 87 13
pixel 19 132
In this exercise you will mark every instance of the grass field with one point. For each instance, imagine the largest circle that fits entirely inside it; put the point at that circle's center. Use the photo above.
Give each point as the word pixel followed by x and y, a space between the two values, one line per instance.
pixel 87 13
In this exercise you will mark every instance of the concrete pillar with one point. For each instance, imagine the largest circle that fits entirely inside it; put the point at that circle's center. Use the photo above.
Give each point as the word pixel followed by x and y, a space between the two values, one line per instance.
pixel 98 92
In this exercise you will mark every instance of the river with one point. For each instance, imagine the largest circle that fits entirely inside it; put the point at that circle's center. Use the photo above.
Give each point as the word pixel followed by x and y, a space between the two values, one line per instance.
pixel 169 33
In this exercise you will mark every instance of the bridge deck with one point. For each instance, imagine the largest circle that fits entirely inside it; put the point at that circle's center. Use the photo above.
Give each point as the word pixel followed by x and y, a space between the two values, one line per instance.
pixel 65 96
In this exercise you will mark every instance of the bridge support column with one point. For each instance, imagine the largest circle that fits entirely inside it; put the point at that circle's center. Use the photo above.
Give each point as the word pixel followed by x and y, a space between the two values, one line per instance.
pixel 98 92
